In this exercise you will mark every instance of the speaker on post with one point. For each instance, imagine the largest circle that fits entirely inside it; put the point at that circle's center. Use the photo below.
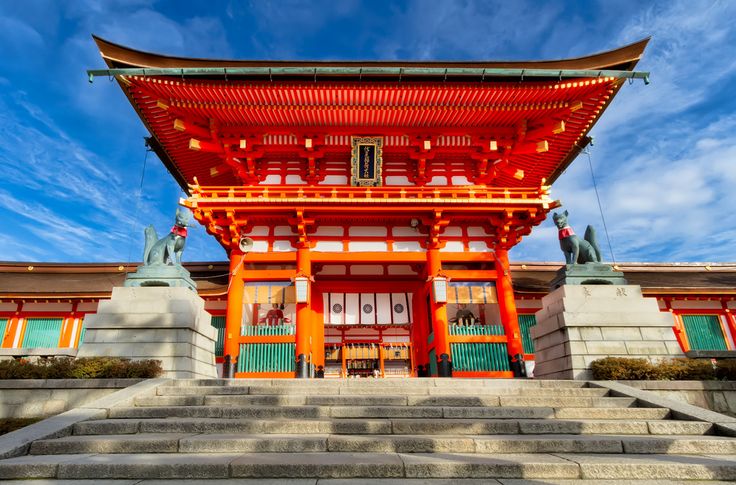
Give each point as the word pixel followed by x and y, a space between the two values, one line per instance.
pixel 245 244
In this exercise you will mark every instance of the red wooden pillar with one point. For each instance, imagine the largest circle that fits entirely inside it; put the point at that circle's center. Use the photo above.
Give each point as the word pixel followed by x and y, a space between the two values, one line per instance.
pixel 731 321
pixel 419 330
pixel 303 316
pixel 507 309
pixel 234 315
pixel 439 318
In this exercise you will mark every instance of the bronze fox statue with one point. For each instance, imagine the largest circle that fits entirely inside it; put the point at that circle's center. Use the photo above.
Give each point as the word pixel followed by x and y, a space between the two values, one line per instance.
pixel 576 250
pixel 168 249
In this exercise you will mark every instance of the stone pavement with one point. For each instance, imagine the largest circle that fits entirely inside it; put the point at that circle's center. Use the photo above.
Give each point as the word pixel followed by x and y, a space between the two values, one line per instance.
pixel 383 432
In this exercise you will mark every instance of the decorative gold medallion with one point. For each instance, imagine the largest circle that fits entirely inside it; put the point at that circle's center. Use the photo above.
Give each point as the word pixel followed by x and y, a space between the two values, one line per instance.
pixel 366 161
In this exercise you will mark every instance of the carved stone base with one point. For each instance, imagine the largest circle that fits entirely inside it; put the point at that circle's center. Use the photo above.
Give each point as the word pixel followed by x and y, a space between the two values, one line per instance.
pixel 582 323
pixel 160 275
pixel 588 274
pixel 167 324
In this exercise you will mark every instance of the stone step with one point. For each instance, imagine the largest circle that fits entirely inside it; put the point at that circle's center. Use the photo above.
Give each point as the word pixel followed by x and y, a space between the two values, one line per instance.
pixel 582 402
pixel 307 443
pixel 383 383
pixel 445 426
pixel 200 390
pixel 378 465
pixel 502 412
pixel 365 481
pixel 407 391
pixel 245 426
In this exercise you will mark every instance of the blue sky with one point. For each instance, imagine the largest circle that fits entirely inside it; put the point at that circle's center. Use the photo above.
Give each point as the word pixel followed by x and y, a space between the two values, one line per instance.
pixel 72 154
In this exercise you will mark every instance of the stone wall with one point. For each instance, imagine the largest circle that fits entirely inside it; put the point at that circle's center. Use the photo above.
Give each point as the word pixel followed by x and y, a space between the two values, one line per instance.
pixel 33 398
pixel 718 396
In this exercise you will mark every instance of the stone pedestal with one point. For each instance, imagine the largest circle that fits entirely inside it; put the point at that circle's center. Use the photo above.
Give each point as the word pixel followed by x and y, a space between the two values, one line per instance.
pixel 158 275
pixel 167 324
pixel 582 323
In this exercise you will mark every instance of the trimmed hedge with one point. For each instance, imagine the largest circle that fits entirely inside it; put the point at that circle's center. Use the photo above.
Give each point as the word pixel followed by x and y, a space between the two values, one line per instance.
pixel 82 368
pixel 626 369
pixel 11 424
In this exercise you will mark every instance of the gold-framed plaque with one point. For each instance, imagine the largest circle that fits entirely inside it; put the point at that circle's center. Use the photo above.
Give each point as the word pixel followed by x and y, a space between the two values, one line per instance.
pixel 366 161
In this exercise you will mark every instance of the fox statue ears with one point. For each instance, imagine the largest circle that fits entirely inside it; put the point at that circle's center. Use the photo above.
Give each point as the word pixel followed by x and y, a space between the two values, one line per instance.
pixel 565 213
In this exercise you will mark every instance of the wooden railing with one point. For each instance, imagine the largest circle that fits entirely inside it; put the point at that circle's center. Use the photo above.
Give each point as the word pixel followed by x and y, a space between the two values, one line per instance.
pixel 328 194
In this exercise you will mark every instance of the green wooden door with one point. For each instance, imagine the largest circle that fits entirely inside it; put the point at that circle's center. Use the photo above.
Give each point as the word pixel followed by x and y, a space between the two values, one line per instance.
pixel 704 332
pixel 526 322
pixel 42 333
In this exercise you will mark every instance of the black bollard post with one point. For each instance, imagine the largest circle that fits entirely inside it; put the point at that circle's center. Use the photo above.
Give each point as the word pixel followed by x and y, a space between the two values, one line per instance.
pixel 444 366
pixel 517 365
pixel 226 367
pixel 302 368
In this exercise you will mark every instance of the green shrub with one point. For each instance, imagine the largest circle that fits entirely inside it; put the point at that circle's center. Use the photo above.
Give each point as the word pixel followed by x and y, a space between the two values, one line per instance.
pixel 622 369
pixel 82 368
pixel 685 370
pixel 726 370
pixel 11 424
pixel 628 369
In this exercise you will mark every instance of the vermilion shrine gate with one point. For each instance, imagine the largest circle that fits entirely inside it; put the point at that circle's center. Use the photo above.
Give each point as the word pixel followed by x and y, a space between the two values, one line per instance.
pixel 368 207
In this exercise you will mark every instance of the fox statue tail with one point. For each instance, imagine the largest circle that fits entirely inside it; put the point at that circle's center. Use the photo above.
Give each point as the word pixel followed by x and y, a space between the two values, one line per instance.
pixel 590 237
pixel 151 238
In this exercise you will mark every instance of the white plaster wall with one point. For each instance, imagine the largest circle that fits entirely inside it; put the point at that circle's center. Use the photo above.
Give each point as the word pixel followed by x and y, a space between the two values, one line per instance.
pixel 260 246
pixel 451 231
pixel 405 231
pixel 334 180
pixel 328 246
pixel 88 306
pixel 407 247
pixel 8 307
pixel 366 269
pixel 365 246
pixel 328 231
pixel 283 231
pixel 697 305
pixel 258 231
pixel 453 247
pixel 294 179
pixel 333 269
pixel 215 304
pixel 400 269
pixel 438 180
pixel 476 231
pixel 47 307
pixel 460 180
pixel 272 179
pixel 370 231
pixel 283 246
pixel 529 303
pixel 478 247
pixel 397 180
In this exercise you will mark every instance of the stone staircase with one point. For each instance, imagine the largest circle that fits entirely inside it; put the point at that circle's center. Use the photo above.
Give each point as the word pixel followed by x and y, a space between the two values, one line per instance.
pixel 366 429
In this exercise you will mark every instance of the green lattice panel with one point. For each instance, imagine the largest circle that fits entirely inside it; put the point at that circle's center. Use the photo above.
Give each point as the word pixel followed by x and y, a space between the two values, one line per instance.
pixel 273 357
pixel 704 332
pixel 3 326
pixel 219 324
pixel 476 330
pixel 42 333
pixel 267 330
pixel 479 357
pixel 526 322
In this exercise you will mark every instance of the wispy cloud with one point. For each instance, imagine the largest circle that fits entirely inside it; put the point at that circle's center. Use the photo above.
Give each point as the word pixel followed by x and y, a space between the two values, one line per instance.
pixel 665 154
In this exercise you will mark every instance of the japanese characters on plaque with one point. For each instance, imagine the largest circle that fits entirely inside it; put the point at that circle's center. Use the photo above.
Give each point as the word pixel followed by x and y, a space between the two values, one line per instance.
pixel 366 160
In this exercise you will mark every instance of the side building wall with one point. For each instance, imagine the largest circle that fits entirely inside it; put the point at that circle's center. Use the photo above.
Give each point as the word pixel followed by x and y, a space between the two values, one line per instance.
pixel 56 328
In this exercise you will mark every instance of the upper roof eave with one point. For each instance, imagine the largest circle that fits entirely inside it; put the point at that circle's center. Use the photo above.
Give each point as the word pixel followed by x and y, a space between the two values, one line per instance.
pixel 623 58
